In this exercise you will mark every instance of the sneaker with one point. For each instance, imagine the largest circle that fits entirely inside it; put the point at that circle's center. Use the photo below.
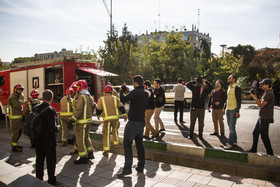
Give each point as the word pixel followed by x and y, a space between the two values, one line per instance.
pixel 105 153
pixel 223 135
pixel 182 122
pixel 228 146
pixel 90 155
pixel 235 143
pixel 214 134
pixel 146 137
pixel 157 135
pixel 16 149
pixel 200 137
pixel 81 160
pixel 139 170
pixel 161 130
pixel 190 137
pixel 123 174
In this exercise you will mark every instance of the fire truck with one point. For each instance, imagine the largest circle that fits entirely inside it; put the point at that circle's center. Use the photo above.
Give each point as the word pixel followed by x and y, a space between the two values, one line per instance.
pixel 55 75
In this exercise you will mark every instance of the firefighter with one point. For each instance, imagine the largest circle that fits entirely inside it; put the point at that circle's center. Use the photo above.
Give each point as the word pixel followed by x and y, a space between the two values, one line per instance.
pixel 109 106
pixel 83 112
pixel 15 106
pixel 114 92
pixel 66 113
pixel 28 107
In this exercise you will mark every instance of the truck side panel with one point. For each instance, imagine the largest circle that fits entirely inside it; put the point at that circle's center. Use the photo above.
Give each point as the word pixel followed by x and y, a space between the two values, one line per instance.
pixel 36 77
pixel 17 78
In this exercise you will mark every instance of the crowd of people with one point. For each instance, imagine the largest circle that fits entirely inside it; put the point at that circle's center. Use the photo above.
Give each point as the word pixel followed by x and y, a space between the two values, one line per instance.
pixel 78 107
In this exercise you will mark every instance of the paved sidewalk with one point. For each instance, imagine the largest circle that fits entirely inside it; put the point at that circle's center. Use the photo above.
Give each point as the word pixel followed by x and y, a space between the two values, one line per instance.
pixel 102 170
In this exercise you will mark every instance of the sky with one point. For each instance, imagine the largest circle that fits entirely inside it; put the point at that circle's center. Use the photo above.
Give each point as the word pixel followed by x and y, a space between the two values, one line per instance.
pixel 28 27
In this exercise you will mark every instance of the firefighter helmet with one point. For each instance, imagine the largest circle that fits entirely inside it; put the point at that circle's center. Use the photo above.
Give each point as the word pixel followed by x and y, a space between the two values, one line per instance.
pixel 108 83
pixel 70 91
pixel 108 88
pixel 82 84
pixel 18 86
pixel 34 94
pixel 74 86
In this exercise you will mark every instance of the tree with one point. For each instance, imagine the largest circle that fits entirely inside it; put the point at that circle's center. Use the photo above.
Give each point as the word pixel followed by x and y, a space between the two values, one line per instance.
pixel 266 63
pixel 247 52
pixel 118 53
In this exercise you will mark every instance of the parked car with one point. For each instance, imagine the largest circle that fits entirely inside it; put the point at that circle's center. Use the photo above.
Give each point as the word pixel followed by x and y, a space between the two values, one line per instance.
pixel 118 88
pixel 170 94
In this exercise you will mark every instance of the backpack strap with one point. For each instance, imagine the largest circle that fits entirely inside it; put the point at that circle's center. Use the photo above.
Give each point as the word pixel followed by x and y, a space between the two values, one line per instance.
pixel 44 110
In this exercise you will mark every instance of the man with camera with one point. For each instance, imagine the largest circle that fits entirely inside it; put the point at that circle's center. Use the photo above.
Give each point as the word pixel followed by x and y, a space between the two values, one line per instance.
pixel 266 105
pixel 200 88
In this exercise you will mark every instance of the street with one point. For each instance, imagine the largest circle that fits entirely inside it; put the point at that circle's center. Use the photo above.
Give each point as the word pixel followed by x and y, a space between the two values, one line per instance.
pixel 176 133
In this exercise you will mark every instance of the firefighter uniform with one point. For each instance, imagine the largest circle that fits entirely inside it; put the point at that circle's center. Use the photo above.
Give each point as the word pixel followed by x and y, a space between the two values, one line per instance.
pixel 65 114
pixel 15 115
pixel 83 112
pixel 109 107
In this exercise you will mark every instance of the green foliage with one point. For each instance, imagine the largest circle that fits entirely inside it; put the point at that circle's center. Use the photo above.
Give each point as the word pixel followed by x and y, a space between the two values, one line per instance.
pixel 24 59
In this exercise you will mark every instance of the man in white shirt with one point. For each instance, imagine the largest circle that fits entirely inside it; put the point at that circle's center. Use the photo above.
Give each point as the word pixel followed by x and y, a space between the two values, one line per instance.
pixel 179 90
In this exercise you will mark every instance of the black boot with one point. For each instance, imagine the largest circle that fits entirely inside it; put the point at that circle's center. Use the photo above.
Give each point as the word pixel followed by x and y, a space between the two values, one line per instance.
pixel 90 155
pixel 16 149
pixel 81 160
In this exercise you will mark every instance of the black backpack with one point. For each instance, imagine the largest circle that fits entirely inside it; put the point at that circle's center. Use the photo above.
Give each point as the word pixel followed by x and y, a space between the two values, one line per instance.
pixel 33 125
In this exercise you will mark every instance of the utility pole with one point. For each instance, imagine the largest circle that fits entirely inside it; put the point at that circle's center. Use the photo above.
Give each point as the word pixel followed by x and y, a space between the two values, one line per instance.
pixel 110 13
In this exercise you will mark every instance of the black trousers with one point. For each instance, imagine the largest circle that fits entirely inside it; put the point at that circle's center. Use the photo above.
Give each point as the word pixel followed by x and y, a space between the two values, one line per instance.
pixel 261 127
pixel 179 105
pixel 50 155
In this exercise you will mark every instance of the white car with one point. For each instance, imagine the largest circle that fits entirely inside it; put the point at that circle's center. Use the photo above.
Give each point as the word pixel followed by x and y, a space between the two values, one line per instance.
pixel 170 94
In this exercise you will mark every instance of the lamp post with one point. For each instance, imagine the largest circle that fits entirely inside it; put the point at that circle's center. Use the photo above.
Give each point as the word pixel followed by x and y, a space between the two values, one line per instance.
pixel 110 13
pixel 223 49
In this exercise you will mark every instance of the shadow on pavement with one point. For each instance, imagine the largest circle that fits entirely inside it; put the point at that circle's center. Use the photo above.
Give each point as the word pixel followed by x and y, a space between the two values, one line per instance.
pixel 182 128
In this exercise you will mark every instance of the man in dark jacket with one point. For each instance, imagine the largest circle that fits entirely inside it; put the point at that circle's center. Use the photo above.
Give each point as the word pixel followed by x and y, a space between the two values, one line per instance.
pixel 134 128
pixel 200 88
pixel 159 102
pixel 45 144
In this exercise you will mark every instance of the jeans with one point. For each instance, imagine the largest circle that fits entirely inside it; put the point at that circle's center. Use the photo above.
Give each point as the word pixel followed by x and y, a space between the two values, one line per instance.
pixel 133 131
pixel 231 120
pixel 179 105
pixel 261 127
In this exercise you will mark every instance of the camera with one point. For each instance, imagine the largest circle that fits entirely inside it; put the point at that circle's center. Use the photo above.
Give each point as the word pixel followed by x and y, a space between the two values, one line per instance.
pixel 248 92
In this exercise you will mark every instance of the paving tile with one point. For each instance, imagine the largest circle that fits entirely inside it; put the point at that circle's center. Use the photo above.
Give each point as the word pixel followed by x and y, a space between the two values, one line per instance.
pixel 67 181
pixel 180 175
pixel 185 183
pixel 272 184
pixel 243 185
pixel 163 185
pixel 206 173
pixel 200 179
pixel 195 171
pixel 259 182
pixel 101 182
pixel 220 182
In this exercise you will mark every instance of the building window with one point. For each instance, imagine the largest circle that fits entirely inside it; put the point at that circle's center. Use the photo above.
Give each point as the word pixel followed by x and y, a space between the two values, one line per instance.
pixel 196 38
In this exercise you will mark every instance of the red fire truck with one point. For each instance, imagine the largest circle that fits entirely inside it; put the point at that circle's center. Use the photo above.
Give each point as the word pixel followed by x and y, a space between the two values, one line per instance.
pixel 55 75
